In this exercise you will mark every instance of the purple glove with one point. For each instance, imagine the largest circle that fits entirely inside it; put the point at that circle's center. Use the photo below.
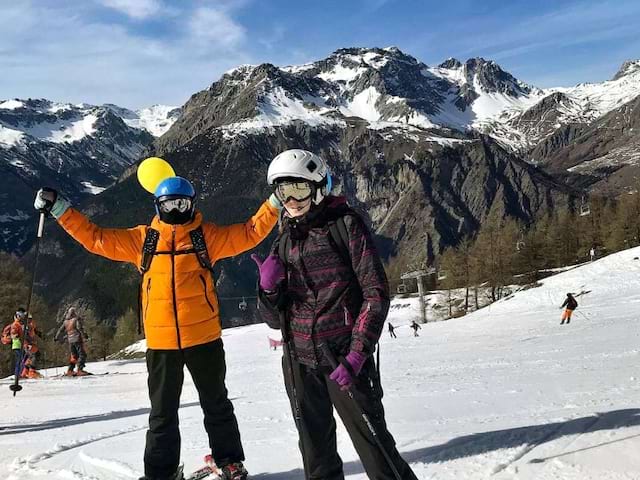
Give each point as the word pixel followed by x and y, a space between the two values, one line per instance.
pixel 342 376
pixel 271 271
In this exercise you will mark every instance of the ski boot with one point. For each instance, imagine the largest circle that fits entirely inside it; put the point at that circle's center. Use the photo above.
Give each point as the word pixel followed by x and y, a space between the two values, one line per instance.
pixel 69 373
pixel 179 475
pixel 33 374
pixel 234 471
pixel 81 373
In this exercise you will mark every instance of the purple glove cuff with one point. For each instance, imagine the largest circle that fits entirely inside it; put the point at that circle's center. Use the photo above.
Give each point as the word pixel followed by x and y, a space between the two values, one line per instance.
pixel 356 360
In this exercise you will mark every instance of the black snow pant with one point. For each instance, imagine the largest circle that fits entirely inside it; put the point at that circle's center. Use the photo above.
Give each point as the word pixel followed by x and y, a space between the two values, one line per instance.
pixel 78 355
pixel 166 375
pixel 317 396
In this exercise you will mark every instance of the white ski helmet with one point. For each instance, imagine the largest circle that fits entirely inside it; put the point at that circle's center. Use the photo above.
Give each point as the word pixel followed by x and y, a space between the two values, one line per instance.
pixel 298 163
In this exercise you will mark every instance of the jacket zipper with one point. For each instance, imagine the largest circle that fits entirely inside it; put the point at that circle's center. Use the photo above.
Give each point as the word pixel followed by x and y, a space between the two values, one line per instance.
pixel 146 307
pixel 347 319
pixel 204 285
pixel 173 283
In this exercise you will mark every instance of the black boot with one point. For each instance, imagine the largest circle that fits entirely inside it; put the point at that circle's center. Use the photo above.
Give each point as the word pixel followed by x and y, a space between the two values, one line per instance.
pixel 234 471
pixel 176 476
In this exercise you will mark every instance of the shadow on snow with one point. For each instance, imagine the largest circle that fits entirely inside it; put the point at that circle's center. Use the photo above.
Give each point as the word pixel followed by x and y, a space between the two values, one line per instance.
pixel 528 437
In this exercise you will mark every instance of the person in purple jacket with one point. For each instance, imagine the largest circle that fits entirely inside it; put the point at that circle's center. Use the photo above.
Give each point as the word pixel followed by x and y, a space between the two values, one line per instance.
pixel 331 308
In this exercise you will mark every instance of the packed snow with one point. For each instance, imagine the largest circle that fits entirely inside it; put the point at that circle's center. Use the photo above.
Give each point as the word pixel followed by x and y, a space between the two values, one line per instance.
pixel 9 137
pixel 502 393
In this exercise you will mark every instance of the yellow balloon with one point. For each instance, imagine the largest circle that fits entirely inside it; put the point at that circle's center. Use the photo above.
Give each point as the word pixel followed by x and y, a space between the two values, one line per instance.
pixel 152 171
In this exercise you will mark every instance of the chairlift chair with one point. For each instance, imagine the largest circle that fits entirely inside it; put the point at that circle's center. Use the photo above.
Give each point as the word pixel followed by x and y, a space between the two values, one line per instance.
pixel 584 208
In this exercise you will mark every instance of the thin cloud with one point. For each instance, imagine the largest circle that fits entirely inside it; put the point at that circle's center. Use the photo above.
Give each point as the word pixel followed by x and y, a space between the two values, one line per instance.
pixel 138 9
pixel 216 27
pixel 84 60
pixel 575 25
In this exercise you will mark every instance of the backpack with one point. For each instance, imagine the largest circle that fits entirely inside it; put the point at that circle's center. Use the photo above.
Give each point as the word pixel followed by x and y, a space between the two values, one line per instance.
pixel 6 335
pixel 149 250
pixel 338 236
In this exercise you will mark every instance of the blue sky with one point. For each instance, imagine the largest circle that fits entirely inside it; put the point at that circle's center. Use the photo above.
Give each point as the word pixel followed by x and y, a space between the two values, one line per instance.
pixel 139 52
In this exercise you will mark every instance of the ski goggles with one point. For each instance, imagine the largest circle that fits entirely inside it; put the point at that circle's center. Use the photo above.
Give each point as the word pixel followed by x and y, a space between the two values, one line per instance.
pixel 299 191
pixel 180 204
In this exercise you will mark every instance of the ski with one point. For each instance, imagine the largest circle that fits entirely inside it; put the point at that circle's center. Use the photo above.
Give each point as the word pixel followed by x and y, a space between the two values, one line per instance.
pixel 62 375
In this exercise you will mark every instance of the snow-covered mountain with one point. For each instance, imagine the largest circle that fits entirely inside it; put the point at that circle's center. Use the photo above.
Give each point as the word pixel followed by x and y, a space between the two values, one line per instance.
pixel 524 126
pixel 381 86
pixel 503 393
pixel 386 87
pixel 81 149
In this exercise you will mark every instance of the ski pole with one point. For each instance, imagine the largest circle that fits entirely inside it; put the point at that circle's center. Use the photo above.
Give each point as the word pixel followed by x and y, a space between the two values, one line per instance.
pixel 365 417
pixel 16 387
pixel 297 412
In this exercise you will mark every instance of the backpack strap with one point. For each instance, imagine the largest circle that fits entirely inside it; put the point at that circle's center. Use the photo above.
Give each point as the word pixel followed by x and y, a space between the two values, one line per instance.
pixel 284 245
pixel 340 237
pixel 149 249
pixel 200 248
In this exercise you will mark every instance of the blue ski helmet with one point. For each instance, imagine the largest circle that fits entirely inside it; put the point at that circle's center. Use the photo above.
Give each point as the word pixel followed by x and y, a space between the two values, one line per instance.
pixel 175 201
pixel 175 186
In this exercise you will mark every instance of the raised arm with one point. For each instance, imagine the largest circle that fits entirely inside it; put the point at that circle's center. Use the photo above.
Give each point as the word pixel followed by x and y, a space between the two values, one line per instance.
pixel 230 240
pixel 123 245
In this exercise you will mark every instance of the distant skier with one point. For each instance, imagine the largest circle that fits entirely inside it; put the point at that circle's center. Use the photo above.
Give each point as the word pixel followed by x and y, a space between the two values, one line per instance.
pixel 324 285
pixel 571 304
pixel 592 254
pixel 415 327
pixel 392 334
pixel 15 332
pixel 179 310
pixel 31 350
pixel 72 329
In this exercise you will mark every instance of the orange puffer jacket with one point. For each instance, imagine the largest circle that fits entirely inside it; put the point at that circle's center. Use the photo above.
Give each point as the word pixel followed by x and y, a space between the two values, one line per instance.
pixel 179 302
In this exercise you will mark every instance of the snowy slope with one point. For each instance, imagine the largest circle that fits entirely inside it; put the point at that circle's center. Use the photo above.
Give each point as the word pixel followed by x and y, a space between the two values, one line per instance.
pixel 156 119
pixel 503 393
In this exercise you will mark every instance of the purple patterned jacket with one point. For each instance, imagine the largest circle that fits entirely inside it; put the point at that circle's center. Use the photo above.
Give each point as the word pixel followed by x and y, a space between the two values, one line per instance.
pixel 325 300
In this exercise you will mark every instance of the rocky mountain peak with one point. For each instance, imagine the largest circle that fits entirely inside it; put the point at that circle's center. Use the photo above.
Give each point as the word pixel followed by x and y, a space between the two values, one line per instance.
pixel 451 64
pixel 629 67
pixel 493 79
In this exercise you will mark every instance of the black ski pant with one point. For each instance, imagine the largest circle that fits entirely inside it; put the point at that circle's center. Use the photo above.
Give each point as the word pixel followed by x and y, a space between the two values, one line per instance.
pixel 166 375
pixel 78 355
pixel 317 396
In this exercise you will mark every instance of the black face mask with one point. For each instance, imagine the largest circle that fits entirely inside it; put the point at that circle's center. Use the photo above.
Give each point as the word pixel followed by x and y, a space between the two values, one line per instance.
pixel 174 217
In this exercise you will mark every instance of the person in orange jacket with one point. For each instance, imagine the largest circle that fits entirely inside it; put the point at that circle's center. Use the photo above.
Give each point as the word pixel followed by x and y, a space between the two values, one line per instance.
pixel 31 350
pixel 179 308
